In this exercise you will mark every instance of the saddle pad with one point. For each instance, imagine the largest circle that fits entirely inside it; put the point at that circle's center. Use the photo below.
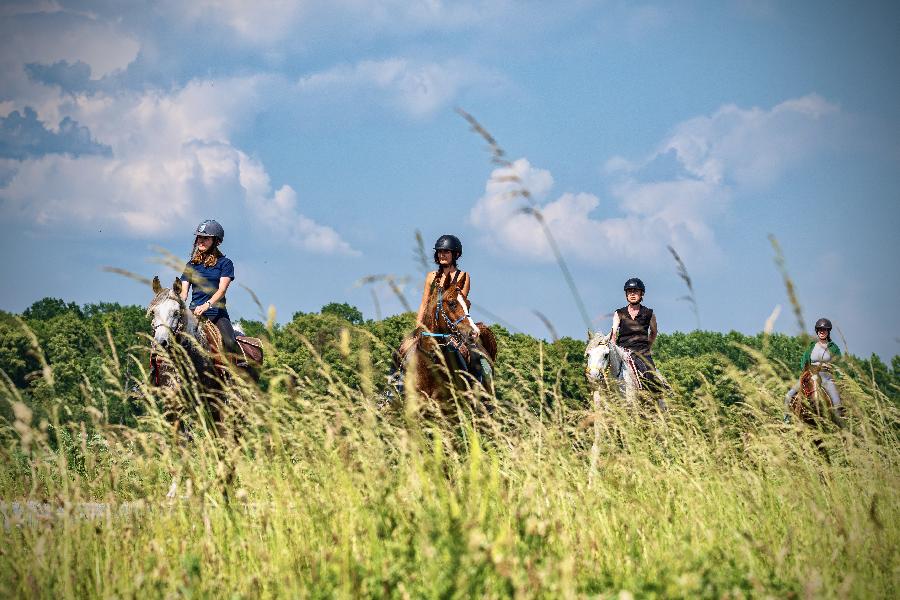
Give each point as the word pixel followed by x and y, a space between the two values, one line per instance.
pixel 252 348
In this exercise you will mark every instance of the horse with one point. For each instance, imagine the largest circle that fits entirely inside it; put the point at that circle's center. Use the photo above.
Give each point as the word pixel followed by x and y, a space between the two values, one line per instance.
pixel 602 353
pixel 175 326
pixel 178 335
pixel 447 355
pixel 812 405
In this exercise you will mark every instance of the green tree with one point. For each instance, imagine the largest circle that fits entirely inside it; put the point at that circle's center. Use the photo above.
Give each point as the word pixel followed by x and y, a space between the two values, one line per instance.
pixel 47 308
pixel 344 311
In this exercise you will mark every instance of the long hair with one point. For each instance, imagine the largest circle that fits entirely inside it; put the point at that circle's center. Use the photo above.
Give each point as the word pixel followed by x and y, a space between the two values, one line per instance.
pixel 208 258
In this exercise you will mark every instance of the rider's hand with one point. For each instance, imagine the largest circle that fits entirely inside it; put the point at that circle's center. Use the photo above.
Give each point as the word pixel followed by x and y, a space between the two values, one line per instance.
pixel 201 308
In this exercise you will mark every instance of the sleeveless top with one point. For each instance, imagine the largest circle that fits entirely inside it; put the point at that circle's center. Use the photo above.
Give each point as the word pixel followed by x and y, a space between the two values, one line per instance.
pixel 453 279
pixel 634 333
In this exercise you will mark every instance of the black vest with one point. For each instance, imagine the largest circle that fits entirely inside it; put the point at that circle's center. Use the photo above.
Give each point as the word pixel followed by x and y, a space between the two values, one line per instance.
pixel 633 333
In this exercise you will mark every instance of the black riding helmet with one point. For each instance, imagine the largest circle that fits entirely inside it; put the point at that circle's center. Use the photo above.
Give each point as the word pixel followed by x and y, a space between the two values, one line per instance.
pixel 823 323
pixel 449 242
pixel 635 284
pixel 211 228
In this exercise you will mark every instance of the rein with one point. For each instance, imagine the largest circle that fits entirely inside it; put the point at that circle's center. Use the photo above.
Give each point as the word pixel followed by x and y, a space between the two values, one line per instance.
pixel 453 339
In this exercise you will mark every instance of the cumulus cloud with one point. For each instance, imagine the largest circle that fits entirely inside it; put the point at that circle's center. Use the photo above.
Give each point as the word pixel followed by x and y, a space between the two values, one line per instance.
pixel 672 197
pixel 751 147
pixel 640 233
pixel 171 160
pixel 23 136
pixel 417 88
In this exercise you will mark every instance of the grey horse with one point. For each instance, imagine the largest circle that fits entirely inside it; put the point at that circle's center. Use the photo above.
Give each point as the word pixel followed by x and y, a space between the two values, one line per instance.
pixel 602 353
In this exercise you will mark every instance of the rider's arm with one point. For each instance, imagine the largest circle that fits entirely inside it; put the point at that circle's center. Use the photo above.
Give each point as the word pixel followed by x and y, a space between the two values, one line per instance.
pixel 185 281
pixel 421 314
pixel 653 330
pixel 224 282
pixel 467 283
pixel 615 329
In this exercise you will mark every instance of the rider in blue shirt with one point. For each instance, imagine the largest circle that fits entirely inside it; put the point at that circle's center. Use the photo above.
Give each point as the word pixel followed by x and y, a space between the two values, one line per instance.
pixel 208 275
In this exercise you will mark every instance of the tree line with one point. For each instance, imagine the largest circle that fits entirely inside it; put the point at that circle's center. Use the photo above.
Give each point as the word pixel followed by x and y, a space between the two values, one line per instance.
pixel 77 341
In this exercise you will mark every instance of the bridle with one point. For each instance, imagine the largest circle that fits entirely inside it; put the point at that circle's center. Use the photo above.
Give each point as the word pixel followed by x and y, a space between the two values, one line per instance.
pixel 627 359
pixel 439 313
pixel 452 341
pixel 155 360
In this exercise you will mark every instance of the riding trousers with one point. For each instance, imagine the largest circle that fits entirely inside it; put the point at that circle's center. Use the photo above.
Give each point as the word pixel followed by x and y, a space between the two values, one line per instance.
pixel 827 384
pixel 229 343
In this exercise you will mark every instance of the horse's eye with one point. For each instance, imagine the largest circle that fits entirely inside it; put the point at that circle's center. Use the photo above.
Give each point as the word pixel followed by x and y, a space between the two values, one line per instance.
pixel 453 304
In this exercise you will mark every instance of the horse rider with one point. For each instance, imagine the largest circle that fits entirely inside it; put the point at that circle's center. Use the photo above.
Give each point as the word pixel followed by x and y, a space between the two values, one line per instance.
pixel 822 352
pixel 208 274
pixel 634 328
pixel 447 251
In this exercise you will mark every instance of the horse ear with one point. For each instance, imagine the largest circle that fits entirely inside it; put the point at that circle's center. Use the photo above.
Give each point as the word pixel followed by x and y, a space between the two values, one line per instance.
pixel 157 288
pixel 176 286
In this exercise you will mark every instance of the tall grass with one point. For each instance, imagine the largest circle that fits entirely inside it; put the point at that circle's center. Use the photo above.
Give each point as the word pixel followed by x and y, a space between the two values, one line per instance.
pixel 333 498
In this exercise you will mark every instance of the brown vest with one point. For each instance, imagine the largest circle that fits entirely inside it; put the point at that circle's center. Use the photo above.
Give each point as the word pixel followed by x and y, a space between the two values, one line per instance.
pixel 634 333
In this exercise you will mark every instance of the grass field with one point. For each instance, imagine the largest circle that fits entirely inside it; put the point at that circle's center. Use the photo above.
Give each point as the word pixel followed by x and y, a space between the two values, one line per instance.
pixel 330 497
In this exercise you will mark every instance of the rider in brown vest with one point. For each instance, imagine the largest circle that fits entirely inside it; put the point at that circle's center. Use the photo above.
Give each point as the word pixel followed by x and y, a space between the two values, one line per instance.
pixel 447 250
pixel 634 328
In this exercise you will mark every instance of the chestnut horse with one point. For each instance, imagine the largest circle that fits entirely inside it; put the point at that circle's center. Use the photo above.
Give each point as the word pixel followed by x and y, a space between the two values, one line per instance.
pixel 812 405
pixel 448 354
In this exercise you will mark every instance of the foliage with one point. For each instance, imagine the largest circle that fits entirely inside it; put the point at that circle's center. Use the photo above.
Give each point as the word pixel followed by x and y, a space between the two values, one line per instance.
pixel 308 490
pixel 351 314
pixel 75 340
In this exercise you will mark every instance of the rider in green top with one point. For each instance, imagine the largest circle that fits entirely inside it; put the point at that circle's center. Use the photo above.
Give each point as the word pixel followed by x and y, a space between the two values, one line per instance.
pixel 821 353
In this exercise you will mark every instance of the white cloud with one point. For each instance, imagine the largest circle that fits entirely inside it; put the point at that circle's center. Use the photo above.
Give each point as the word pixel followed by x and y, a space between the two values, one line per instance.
pixel 751 146
pixel 713 158
pixel 417 88
pixel 259 22
pixel 172 162
pixel 267 22
pixel 12 8
pixel 658 214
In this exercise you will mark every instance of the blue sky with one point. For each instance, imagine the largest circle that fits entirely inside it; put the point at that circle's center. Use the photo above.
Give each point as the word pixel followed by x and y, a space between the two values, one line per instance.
pixel 322 135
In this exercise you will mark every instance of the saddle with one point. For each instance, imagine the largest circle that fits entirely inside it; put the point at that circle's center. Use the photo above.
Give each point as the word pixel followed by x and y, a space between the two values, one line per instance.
pixel 250 347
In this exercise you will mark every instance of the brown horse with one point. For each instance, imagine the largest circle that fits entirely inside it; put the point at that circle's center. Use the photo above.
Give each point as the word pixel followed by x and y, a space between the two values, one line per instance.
pixel 812 405
pixel 447 354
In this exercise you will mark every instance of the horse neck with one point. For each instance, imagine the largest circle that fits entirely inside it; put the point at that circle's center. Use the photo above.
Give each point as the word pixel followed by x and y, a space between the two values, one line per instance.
pixel 616 359
pixel 434 322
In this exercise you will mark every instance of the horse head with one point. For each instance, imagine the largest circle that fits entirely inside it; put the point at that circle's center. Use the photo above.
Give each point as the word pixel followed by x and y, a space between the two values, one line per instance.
pixel 167 310
pixel 451 313
pixel 597 353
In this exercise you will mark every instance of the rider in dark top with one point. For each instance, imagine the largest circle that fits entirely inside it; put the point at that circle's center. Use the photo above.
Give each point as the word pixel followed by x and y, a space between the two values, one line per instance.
pixel 208 275
pixel 634 328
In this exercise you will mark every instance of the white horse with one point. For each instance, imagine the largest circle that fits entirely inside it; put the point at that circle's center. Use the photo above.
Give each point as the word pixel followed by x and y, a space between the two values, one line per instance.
pixel 602 353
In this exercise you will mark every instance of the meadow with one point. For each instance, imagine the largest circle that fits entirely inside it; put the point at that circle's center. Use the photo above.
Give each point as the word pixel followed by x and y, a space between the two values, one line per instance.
pixel 310 490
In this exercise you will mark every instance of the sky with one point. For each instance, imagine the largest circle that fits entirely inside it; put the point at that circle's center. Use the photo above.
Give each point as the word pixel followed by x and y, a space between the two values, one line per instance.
pixel 324 134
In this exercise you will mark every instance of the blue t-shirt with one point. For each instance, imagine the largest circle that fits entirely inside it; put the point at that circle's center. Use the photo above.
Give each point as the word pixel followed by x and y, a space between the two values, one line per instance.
pixel 204 283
